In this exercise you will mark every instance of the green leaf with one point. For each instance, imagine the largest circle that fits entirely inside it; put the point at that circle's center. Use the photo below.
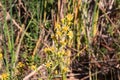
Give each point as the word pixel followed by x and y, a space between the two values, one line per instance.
pixel 50 1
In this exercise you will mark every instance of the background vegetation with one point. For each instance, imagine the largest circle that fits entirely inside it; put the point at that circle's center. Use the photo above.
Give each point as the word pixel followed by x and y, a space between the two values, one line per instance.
pixel 59 39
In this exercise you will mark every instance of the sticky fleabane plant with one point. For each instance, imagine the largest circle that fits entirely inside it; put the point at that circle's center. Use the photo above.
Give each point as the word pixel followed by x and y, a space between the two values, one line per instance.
pixel 58 56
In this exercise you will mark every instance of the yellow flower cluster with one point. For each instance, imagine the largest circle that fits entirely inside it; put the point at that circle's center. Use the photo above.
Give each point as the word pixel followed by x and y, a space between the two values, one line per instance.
pixel 20 65
pixel 63 28
pixel 4 76
pixel 62 37
pixel 69 17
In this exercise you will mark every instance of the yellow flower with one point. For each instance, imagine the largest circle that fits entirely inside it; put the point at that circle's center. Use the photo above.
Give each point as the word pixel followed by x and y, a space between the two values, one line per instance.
pixel 70 34
pixel 1 56
pixel 65 69
pixel 48 64
pixel 58 33
pixel 69 17
pixel 4 76
pixel 20 65
pixel 53 37
pixel 57 25
pixel 61 53
pixel 33 67
pixel 65 28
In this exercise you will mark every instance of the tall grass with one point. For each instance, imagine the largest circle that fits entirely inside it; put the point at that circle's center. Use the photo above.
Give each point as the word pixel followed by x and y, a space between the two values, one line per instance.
pixel 56 34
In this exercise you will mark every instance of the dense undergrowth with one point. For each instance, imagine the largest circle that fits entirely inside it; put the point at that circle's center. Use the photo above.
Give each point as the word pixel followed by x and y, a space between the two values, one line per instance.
pixel 59 39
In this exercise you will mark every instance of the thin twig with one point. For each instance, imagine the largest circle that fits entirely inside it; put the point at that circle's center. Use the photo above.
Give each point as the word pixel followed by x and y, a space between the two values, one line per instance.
pixel 86 77
pixel 33 72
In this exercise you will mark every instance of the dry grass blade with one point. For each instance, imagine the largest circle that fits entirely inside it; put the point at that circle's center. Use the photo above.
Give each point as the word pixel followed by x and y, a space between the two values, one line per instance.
pixel 33 72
